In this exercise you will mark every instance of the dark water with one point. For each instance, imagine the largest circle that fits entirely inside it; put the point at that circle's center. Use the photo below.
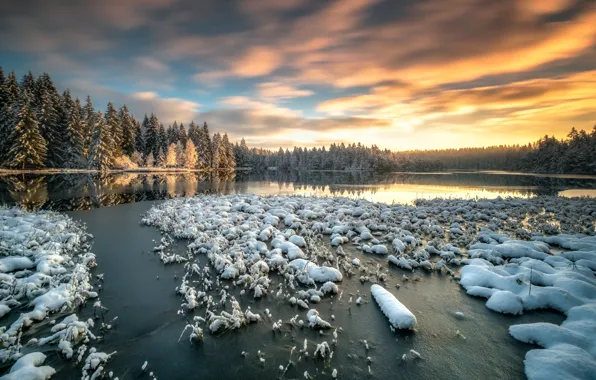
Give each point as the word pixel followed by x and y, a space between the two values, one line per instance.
pixel 139 289
pixel 149 328
pixel 64 192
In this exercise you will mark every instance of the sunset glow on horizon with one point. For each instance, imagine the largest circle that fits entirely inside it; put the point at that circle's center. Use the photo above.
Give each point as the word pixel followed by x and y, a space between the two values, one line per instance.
pixel 428 74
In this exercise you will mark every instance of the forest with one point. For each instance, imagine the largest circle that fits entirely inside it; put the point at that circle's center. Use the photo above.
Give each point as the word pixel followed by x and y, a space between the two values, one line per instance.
pixel 42 128
pixel 574 154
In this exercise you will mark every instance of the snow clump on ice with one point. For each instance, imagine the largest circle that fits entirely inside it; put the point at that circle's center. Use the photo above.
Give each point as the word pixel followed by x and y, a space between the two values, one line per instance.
pixel 45 269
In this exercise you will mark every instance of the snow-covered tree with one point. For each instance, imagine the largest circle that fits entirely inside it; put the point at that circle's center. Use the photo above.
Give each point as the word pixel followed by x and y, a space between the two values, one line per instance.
pixel 228 153
pixel 137 158
pixel 171 156
pixel 74 137
pixel 51 121
pixel 151 127
pixel 9 96
pixel 28 87
pixel 204 148
pixel 101 153
pixel 162 140
pixel 190 155
pixel 194 133
pixel 182 136
pixel 172 133
pixel 150 160
pixel 128 131
pixel 28 147
pixel 218 155
pixel 242 154
pixel 88 125
pixel 161 161
pixel 179 154
pixel 115 126
pixel 139 138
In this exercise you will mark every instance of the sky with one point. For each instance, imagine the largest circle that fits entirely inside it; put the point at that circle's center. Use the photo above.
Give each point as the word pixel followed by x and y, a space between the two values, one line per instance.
pixel 401 74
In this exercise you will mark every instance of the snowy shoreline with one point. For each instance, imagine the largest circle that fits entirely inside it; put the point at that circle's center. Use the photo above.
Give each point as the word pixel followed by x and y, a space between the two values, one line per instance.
pixel 136 170
pixel 45 274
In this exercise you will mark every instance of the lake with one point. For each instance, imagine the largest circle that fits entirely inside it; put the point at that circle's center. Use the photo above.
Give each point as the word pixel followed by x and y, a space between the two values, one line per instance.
pixel 64 192
pixel 140 290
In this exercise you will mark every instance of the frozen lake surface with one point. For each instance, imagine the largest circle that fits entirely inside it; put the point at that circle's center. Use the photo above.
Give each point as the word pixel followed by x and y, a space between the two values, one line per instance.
pixel 140 289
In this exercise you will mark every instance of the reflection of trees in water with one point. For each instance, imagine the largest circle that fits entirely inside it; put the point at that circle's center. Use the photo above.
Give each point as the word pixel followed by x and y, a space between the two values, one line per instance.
pixel 29 192
pixel 64 192
pixel 359 182
pixel 85 191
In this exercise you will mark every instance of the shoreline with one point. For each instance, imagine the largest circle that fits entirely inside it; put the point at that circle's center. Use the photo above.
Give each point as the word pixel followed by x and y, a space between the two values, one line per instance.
pixel 111 171
pixel 145 170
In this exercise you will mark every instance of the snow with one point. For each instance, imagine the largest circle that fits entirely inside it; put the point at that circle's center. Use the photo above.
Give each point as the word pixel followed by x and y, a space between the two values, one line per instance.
pixel 505 302
pixel 314 245
pixel 47 270
pixel 308 270
pixel 399 316
pixel 29 367
pixel 537 279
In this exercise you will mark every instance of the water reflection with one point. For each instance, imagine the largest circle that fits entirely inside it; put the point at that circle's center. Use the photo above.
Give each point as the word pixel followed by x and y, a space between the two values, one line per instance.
pixel 86 191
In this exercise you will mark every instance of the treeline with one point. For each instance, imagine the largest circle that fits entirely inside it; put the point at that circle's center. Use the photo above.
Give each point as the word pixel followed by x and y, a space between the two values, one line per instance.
pixel 41 128
pixel 574 154
pixel 336 157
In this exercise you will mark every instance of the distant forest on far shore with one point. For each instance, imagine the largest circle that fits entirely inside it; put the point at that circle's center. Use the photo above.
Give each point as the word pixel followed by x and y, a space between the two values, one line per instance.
pixel 41 128
pixel 574 154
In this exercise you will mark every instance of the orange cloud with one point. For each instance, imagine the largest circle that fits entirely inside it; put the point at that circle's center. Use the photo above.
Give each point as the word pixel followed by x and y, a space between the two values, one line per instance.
pixel 280 91
pixel 257 61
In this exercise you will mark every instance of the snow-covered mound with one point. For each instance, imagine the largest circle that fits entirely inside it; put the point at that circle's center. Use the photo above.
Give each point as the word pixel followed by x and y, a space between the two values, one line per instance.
pixel 536 279
pixel 44 270
pixel 399 316
pixel 29 367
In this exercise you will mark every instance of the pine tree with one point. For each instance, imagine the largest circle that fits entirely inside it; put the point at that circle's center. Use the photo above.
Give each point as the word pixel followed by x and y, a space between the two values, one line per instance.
pixel 88 125
pixel 173 134
pixel 74 137
pixel 182 136
pixel 128 131
pixel 194 133
pixel 162 138
pixel 228 152
pixel 151 127
pixel 28 86
pixel 114 125
pixel 217 152
pixel 179 154
pixel 48 118
pixel 171 156
pixel 139 138
pixel 137 158
pixel 204 148
pixel 150 160
pixel 9 96
pixel 161 159
pixel 28 147
pixel 63 105
pixel 101 157
pixel 190 155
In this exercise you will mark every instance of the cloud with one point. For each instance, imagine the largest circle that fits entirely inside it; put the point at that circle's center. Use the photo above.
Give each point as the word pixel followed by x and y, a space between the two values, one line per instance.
pixel 273 91
pixel 410 68
pixel 257 61
pixel 140 103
